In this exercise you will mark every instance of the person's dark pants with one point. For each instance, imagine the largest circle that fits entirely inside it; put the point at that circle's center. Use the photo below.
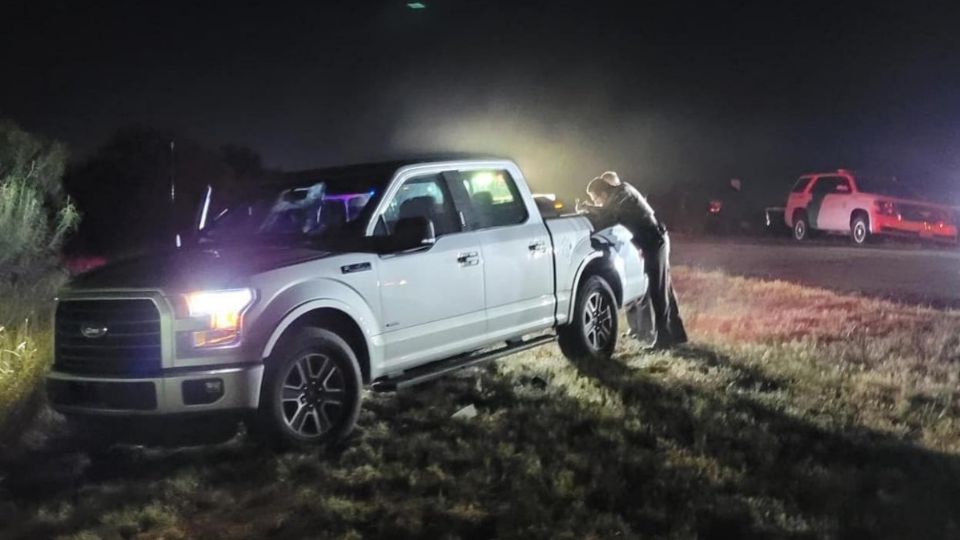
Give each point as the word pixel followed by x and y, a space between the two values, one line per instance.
pixel 666 312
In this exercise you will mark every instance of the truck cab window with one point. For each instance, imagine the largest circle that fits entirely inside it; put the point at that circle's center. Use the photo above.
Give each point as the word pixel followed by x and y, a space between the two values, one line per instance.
pixel 826 185
pixel 494 198
pixel 424 196
pixel 801 185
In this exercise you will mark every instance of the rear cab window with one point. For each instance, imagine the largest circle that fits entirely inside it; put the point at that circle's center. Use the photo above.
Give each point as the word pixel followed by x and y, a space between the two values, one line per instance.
pixel 831 185
pixel 494 199
pixel 801 185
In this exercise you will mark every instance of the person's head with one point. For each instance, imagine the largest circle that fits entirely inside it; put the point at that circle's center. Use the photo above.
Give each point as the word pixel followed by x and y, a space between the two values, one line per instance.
pixel 599 191
pixel 611 178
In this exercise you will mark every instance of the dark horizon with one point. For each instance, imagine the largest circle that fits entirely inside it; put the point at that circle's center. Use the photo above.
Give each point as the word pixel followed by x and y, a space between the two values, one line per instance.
pixel 679 94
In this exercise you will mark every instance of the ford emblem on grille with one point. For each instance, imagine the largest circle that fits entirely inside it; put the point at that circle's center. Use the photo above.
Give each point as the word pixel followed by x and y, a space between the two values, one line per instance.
pixel 93 331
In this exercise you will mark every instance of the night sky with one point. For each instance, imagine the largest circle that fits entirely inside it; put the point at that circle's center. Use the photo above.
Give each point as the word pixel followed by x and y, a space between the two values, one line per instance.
pixel 669 93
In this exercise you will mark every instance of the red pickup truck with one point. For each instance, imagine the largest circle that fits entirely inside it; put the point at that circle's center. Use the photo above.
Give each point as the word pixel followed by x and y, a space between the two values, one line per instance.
pixel 843 202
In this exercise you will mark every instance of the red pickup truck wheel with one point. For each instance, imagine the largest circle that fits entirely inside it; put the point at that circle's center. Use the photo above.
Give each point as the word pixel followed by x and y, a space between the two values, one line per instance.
pixel 859 229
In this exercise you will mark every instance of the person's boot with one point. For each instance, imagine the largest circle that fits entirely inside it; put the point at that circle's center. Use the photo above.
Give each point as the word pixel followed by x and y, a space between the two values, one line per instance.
pixel 661 343
pixel 660 346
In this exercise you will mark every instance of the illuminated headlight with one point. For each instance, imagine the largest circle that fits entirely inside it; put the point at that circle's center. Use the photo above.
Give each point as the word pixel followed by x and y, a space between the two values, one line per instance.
pixel 887 208
pixel 222 311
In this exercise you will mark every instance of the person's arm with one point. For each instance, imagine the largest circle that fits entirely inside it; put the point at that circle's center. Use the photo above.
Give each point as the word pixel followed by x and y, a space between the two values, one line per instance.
pixel 602 217
pixel 582 207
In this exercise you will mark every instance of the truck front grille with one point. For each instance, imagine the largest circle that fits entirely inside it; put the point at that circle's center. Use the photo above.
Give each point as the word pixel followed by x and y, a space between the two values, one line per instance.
pixel 108 337
pixel 910 212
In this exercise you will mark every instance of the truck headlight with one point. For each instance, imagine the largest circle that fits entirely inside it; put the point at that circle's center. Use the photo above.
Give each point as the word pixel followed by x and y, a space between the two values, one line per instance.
pixel 223 313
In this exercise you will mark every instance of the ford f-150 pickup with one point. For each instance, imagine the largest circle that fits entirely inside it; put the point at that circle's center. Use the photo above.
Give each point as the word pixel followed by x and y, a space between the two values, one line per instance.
pixel 288 303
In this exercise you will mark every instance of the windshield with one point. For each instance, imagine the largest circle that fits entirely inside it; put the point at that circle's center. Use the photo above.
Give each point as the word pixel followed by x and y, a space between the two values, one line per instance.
pixel 887 185
pixel 315 209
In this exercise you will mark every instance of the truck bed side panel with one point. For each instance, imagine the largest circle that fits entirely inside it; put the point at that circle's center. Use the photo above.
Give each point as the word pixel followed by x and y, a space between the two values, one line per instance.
pixel 629 263
pixel 571 246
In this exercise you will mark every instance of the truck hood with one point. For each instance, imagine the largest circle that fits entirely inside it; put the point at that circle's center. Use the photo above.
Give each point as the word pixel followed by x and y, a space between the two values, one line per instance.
pixel 193 269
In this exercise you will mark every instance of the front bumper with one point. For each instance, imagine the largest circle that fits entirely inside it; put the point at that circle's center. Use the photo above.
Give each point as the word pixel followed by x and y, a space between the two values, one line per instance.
pixel 197 390
pixel 179 380
pixel 917 229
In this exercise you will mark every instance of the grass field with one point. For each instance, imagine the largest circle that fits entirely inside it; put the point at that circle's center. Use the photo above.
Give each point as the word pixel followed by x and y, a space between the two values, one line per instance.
pixel 795 413
pixel 25 354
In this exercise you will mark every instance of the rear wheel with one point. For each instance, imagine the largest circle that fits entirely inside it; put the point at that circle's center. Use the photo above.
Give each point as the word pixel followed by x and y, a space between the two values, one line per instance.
pixel 801 228
pixel 592 333
pixel 859 229
pixel 311 391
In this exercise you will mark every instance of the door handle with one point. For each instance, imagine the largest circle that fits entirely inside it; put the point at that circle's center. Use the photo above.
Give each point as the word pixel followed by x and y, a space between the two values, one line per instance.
pixel 537 247
pixel 469 259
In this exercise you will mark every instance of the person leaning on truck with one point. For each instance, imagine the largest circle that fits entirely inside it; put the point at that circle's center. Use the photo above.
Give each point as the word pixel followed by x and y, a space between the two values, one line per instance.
pixel 616 201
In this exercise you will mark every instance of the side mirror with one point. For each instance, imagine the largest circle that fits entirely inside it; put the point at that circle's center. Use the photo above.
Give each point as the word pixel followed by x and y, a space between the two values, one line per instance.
pixel 411 233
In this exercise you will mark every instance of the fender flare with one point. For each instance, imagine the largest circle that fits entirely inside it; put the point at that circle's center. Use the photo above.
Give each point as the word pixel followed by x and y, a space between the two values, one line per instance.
pixel 577 279
pixel 311 305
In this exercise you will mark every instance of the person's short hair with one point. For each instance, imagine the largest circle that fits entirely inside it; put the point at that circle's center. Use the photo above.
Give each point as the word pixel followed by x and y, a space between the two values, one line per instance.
pixel 611 178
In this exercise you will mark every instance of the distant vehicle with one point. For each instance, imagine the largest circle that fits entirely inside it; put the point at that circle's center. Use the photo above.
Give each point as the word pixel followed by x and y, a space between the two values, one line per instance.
pixel 78 264
pixel 728 211
pixel 385 274
pixel 843 202
pixel 774 222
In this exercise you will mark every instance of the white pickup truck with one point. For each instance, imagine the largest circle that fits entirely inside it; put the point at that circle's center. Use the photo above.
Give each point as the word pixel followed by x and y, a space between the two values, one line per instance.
pixel 384 274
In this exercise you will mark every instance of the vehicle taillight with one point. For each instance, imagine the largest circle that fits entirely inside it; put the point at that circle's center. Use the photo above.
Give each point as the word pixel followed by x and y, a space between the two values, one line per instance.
pixel 715 206
pixel 887 208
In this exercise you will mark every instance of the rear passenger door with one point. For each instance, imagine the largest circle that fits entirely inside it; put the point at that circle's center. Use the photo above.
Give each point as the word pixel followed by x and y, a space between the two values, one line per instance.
pixel 517 251
pixel 831 195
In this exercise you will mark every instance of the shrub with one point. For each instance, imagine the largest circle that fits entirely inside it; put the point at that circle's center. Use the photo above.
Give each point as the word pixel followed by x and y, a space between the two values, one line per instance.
pixel 35 217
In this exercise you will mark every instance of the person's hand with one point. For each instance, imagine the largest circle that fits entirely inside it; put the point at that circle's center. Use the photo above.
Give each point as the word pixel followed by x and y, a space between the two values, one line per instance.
pixel 581 206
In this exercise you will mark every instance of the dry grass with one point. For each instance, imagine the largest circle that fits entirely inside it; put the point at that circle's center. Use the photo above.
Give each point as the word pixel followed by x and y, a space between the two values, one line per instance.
pixel 796 413
pixel 895 368
pixel 24 358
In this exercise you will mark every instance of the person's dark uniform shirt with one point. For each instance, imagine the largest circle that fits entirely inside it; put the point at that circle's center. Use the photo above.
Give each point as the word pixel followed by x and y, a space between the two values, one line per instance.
pixel 628 207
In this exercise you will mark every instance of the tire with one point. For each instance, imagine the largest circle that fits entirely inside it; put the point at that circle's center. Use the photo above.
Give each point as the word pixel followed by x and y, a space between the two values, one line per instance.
pixel 859 230
pixel 801 227
pixel 311 392
pixel 582 338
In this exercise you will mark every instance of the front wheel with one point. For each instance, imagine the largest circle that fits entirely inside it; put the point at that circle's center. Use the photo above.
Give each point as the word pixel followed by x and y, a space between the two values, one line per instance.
pixel 592 333
pixel 859 230
pixel 311 391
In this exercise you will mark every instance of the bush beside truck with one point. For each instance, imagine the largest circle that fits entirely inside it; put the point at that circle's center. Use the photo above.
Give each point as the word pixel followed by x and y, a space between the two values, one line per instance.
pixel 35 218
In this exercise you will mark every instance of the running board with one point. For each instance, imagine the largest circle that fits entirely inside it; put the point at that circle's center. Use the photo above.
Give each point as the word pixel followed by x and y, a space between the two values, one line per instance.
pixel 435 370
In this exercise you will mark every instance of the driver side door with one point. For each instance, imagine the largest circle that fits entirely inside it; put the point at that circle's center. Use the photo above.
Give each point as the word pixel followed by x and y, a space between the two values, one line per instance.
pixel 432 301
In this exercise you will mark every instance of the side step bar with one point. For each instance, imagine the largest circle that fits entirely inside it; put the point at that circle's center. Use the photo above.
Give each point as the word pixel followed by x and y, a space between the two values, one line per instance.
pixel 435 370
